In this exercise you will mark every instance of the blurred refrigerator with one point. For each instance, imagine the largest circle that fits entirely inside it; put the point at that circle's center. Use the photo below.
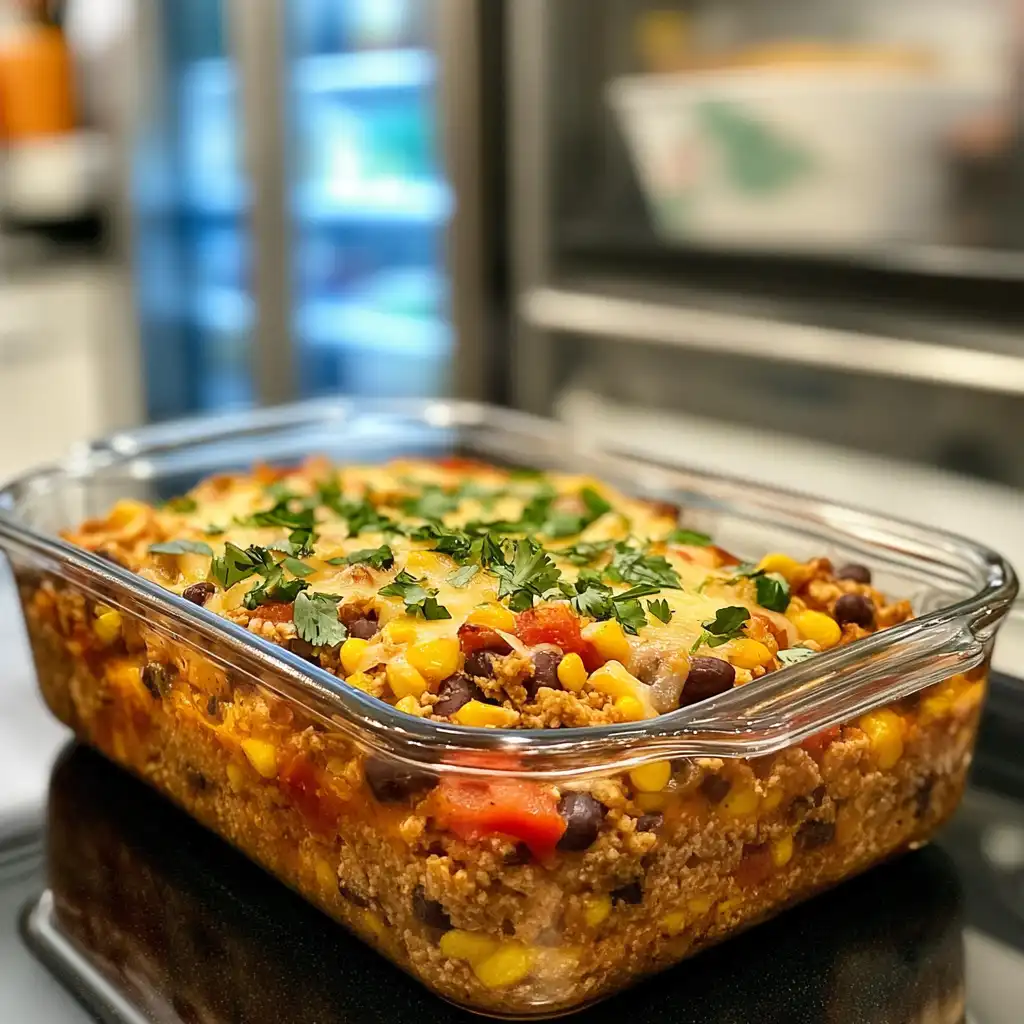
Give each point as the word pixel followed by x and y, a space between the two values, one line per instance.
pixel 292 221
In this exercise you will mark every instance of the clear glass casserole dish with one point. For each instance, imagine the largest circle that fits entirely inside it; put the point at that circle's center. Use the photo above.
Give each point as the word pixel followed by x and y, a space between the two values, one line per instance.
pixel 773 790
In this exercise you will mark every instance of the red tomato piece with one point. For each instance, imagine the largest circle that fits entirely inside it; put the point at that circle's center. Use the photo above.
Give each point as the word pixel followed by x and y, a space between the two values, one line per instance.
pixel 481 638
pixel 461 464
pixel 556 624
pixel 523 810
pixel 275 611
pixel 302 781
pixel 817 745
pixel 755 866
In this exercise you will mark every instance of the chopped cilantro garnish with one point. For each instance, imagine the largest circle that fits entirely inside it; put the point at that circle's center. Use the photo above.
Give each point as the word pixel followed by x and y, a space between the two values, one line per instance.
pixel 181 547
pixel 691 537
pixel 274 587
pixel 183 504
pixel 630 565
pixel 297 568
pixel 378 558
pixel 431 503
pixel 213 530
pixel 298 521
pixel 727 625
pixel 772 593
pixel 464 576
pixel 585 552
pixel 316 619
pixel 417 598
pixel 531 574
pixel 660 610
pixel 795 655
pixel 234 566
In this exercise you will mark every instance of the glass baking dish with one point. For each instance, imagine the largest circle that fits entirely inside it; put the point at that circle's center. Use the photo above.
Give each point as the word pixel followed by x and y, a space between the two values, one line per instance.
pixel 776 789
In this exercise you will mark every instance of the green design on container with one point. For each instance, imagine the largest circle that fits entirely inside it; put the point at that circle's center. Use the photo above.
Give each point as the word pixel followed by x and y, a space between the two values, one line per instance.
pixel 758 160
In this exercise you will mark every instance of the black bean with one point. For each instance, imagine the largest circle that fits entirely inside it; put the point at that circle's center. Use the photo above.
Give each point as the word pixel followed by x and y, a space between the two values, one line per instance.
pixel 818 794
pixel 813 834
pixel 650 822
pixel 708 677
pixel 390 782
pixel 480 663
pixel 157 679
pixel 715 788
pixel 454 692
pixel 854 608
pixel 430 912
pixel 545 672
pixel 363 629
pixel 583 816
pixel 197 781
pixel 352 896
pixel 855 572
pixel 198 593
pixel 923 797
pixel 519 854
pixel 632 893
pixel 212 706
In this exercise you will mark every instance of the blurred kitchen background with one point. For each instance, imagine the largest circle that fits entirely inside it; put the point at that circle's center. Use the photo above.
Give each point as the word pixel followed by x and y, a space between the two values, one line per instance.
pixel 782 240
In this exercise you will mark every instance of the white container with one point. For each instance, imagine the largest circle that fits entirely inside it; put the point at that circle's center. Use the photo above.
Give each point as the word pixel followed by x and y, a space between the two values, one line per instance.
pixel 796 158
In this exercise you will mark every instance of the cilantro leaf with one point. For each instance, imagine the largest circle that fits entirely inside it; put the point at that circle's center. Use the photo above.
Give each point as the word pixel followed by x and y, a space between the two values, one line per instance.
pixel 183 504
pixel 464 576
pixel 431 503
pixel 630 615
pixel 430 609
pixel 690 537
pixel 297 568
pixel 316 620
pixel 794 655
pixel 236 565
pixel 181 547
pixel 456 545
pixel 630 565
pixel 378 558
pixel 531 574
pixel 361 515
pixel 585 552
pixel 660 610
pixel 213 530
pixel 772 593
pixel 273 587
pixel 417 598
pixel 596 504
pixel 727 625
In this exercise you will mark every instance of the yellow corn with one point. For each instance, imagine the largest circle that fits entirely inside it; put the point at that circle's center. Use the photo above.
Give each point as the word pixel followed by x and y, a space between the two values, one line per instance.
pixel 649 802
pixel 107 627
pixel 596 908
pixel 726 907
pixel 404 680
pixel 373 924
pixel 482 715
pixel 409 705
pixel 236 777
pixel 571 673
pixel 326 876
pixel 469 946
pixel 493 616
pixel 262 756
pixel 885 731
pixel 612 679
pixel 509 965
pixel 360 680
pixel 782 564
pixel 674 922
pixel 609 640
pixel 772 799
pixel 125 511
pixel 749 654
pixel 698 906
pixel 819 627
pixel 740 802
pixel 351 653
pixel 435 659
pixel 400 631
pixel 630 708
pixel 651 778
pixel 782 850
pixel 420 562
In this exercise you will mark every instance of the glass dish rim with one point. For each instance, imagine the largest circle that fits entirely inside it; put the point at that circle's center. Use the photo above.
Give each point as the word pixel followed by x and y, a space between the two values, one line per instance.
pixel 713 728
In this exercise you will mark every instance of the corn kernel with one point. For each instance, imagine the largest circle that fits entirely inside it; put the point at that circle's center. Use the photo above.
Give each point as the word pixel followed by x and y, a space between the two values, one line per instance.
pixel 847 825
pixel 674 922
pixel 373 924
pixel 885 731
pixel 435 659
pixel 400 631
pixel 326 876
pixel 108 627
pixel 726 907
pixel 404 680
pixel 819 627
pixel 740 802
pixel 476 712
pixel 651 778
pixel 612 679
pixel 609 641
pixel 749 654
pixel 469 946
pixel 571 673
pixel 596 909
pixel 408 705
pixel 509 965
pixel 651 802
pixel 360 680
pixel 421 562
pixel 493 616
pixel 782 564
pixel 351 653
pixel 262 756
pixel 698 906
pixel 125 511
pixel 782 850
pixel 236 778
pixel 630 708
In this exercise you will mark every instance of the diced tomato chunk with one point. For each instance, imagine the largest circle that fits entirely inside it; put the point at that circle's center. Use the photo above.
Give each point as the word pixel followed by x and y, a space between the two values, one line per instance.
pixel 556 624
pixel 461 464
pixel 817 745
pixel 276 611
pixel 303 782
pixel 527 811
pixel 755 866
pixel 481 638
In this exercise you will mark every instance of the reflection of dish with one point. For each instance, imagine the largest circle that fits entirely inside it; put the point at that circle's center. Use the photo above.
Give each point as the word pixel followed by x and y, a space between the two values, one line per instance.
pixel 819 56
